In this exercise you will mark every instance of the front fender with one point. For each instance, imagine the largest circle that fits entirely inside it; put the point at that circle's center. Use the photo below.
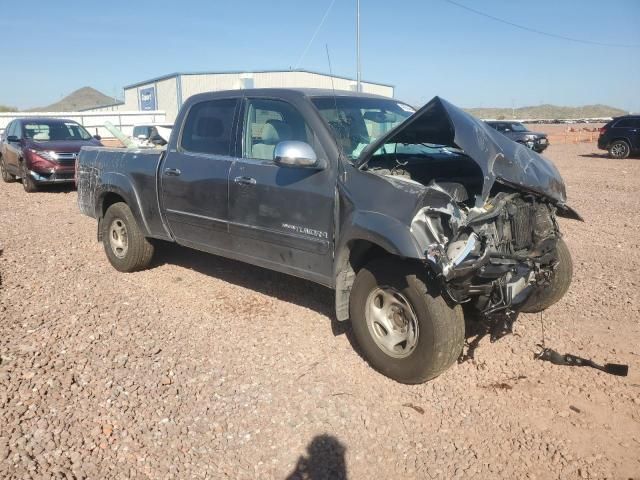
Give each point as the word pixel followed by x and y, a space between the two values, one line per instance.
pixel 384 231
pixel 374 228
pixel 122 186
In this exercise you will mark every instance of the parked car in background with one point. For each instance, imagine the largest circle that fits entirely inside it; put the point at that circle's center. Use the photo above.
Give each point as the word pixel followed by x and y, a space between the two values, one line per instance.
pixel 621 136
pixel 405 214
pixel 517 132
pixel 42 150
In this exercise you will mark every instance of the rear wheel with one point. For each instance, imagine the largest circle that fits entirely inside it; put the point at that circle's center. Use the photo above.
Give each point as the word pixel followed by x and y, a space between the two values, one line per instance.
pixel 545 296
pixel 405 331
pixel 28 183
pixel 127 249
pixel 6 176
pixel 619 149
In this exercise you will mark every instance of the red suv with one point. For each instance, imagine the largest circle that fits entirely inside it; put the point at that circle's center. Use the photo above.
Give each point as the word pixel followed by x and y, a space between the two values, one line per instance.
pixel 42 150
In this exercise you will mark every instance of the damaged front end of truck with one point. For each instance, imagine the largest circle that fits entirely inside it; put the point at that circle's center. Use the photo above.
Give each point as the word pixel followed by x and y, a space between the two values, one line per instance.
pixel 494 255
pixel 485 209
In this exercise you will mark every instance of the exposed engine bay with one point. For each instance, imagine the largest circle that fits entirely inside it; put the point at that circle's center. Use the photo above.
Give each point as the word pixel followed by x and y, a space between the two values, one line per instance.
pixel 490 253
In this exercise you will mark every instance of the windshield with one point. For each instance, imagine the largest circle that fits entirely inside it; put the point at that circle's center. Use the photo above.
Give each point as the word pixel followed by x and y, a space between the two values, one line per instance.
pixel 45 131
pixel 518 127
pixel 358 121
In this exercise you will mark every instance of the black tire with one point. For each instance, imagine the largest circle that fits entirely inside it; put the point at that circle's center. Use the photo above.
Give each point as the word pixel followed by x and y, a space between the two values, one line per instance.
pixel 6 176
pixel 440 328
pixel 127 249
pixel 619 149
pixel 543 297
pixel 28 183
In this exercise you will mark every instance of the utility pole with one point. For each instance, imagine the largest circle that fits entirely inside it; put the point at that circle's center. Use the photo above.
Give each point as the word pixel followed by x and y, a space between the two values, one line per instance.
pixel 359 84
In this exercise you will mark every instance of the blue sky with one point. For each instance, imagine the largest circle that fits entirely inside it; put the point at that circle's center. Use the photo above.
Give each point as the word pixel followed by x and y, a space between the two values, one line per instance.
pixel 424 48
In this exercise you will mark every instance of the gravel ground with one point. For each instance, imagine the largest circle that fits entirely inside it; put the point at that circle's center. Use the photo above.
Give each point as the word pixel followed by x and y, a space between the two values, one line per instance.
pixel 205 367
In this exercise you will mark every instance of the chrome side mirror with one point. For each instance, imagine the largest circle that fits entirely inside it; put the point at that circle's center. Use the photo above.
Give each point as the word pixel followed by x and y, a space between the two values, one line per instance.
pixel 292 153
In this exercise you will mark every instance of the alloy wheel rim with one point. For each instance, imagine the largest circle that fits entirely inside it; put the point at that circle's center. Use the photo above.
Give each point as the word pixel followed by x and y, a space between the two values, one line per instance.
pixel 391 321
pixel 118 238
pixel 619 150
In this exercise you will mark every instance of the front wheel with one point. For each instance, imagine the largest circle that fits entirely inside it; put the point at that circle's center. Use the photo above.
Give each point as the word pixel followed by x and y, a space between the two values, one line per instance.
pixel 405 331
pixel 545 296
pixel 619 149
pixel 127 249
pixel 28 183
pixel 6 176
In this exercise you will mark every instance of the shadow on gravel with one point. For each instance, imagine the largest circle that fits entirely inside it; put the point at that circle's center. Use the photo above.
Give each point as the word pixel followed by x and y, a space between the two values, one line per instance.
pixel 288 289
pixel 324 460
pixel 60 188
pixel 605 156
pixel 279 285
pixel 476 328
pixel 594 155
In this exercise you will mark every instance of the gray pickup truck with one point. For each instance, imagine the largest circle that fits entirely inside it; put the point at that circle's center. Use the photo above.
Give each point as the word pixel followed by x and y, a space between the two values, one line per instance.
pixel 406 215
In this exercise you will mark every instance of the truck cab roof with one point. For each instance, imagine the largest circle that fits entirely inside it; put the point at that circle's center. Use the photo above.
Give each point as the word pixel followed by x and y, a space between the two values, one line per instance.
pixel 285 93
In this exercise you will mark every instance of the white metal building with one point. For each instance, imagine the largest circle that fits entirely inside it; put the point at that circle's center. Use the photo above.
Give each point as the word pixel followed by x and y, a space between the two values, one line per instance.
pixel 168 92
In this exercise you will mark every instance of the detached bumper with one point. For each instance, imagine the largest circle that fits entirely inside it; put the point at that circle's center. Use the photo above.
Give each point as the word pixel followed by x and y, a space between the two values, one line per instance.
pixel 54 177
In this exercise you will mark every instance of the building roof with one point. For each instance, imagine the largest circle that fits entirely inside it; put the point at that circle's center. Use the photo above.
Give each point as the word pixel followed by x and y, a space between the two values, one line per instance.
pixel 114 104
pixel 238 72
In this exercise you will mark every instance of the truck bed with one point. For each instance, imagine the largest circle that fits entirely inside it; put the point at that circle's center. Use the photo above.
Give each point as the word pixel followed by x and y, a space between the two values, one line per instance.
pixel 130 173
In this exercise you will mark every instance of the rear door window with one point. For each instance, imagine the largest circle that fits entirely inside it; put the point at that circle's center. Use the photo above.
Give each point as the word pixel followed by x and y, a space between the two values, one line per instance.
pixel 626 123
pixel 209 127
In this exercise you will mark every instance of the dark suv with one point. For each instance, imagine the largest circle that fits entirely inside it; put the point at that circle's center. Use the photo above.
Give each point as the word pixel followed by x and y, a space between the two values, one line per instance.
pixel 42 150
pixel 517 132
pixel 621 136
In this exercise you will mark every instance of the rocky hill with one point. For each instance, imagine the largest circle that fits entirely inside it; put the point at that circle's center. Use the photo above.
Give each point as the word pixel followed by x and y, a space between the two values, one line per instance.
pixel 85 97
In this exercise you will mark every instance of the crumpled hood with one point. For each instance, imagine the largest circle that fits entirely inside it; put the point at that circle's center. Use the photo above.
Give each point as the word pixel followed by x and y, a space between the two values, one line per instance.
pixel 499 158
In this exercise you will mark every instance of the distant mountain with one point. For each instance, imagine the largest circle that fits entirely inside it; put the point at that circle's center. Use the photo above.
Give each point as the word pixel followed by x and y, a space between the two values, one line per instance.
pixel 85 97
pixel 5 108
pixel 548 112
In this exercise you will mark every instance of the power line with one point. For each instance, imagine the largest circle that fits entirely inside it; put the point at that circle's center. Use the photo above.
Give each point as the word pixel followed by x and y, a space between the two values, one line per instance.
pixel 313 37
pixel 539 32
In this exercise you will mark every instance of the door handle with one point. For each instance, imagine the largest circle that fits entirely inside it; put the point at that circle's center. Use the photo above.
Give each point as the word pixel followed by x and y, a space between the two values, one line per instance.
pixel 245 180
pixel 172 172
